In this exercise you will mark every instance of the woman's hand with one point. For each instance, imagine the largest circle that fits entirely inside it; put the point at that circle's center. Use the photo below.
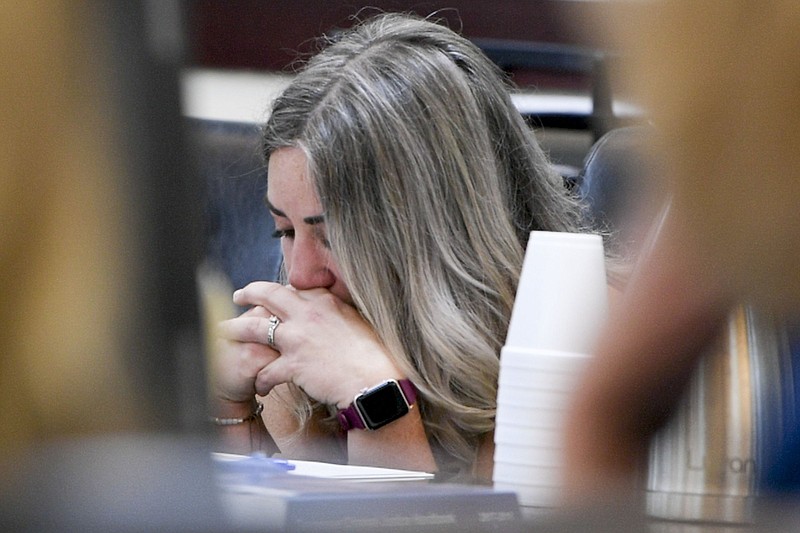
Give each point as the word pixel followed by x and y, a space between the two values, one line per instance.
pixel 238 361
pixel 234 369
pixel 325 346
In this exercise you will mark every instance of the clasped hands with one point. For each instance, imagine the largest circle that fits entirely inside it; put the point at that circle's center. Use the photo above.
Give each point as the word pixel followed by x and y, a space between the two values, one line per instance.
pixel 323 345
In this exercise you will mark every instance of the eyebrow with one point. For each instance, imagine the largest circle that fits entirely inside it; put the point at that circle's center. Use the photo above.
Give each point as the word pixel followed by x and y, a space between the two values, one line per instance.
pixel 312 220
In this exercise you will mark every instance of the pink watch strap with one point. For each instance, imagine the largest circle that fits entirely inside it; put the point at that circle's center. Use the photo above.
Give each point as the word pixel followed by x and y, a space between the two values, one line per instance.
pixel 409 390
pixel 350 419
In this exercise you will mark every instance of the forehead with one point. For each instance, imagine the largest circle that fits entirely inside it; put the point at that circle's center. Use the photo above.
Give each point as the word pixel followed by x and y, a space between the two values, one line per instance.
pixel 289 161
pixel 288 185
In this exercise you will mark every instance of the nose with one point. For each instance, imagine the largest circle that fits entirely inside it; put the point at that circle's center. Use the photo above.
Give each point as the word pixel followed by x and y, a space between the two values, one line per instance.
pixel 308 265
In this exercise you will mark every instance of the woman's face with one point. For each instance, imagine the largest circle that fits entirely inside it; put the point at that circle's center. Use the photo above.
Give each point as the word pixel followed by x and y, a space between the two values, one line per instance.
pixel 300 224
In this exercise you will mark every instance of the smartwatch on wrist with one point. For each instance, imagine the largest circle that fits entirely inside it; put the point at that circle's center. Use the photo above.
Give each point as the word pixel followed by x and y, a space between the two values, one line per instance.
pixel 375 407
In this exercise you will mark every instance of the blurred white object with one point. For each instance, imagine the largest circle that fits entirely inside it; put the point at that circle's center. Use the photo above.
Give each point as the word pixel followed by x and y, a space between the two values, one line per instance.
pixel 560 308
pixel 562 298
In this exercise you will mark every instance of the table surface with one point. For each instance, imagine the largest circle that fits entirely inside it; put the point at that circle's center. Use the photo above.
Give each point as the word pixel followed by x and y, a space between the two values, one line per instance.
pixel 164 482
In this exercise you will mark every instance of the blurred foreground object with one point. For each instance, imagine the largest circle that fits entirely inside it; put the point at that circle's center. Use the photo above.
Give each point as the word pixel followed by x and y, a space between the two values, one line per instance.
pixel 720 81
pixel 65 234
pixel 101 374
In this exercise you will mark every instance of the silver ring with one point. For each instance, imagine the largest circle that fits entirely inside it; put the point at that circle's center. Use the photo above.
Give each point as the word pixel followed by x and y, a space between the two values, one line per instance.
pixel 274 322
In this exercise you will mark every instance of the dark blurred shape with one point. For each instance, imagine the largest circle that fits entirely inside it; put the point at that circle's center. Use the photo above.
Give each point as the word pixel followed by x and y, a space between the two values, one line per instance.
pixel 145 46
pixel 131 483
pixel 542 45
pixel 109 434
pixel 583 63
pixel 619 180
pixel 273 36
pixel 253 34
pixel 239 228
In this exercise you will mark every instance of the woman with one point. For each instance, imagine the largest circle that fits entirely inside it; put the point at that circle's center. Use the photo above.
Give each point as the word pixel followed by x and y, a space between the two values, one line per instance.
pixel 404 184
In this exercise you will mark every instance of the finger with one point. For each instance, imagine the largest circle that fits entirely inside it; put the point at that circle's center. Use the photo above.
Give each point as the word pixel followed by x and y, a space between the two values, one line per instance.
pixel 257 311
pixel 273 296
pixel 311 294
pixel 245 329
pixel 271 376
pixel 235 369
pixel 247 357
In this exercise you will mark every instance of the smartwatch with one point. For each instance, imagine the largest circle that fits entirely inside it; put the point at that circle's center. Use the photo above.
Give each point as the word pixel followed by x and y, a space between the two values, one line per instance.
pixel 375 407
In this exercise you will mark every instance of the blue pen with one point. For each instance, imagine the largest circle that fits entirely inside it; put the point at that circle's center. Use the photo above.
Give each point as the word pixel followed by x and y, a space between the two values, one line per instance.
pixel 282 464
pixel 255 469
pixel 259 460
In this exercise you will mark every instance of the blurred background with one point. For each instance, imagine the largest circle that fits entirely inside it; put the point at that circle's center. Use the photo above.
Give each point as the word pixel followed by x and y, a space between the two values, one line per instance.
pixel 551 49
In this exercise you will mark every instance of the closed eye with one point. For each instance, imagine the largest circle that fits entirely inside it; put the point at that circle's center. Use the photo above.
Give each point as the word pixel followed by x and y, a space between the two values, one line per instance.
pixel 280 233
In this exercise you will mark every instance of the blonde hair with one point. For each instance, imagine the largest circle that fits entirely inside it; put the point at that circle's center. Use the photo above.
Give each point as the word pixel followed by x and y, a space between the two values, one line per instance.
pixel 431 183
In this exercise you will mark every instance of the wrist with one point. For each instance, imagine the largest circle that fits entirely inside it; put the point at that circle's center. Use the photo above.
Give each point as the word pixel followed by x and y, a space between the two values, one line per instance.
pixel 357 384
pixel 233 409
pixel 379 405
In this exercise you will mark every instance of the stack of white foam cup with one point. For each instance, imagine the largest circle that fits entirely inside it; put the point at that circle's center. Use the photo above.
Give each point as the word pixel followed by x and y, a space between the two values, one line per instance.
pixel 560 307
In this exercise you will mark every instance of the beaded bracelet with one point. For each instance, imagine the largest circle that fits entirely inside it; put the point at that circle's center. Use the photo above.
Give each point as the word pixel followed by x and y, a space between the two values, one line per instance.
pixel 234 421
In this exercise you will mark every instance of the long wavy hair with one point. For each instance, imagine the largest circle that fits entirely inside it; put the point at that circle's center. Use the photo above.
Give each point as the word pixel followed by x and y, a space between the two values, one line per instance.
pixel 430 182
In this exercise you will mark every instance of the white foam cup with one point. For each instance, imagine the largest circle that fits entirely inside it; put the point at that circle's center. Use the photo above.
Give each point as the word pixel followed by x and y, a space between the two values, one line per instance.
pixel 532 399
pixel 545 476
pixel 560 308
pixel 528 436
pixel 526 454
pixel 548 361
pixel 562 297
pixel 547 418
pixel 539 379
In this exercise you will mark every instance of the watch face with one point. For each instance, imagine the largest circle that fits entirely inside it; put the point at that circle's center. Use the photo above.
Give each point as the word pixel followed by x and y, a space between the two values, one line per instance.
pixel 382 405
